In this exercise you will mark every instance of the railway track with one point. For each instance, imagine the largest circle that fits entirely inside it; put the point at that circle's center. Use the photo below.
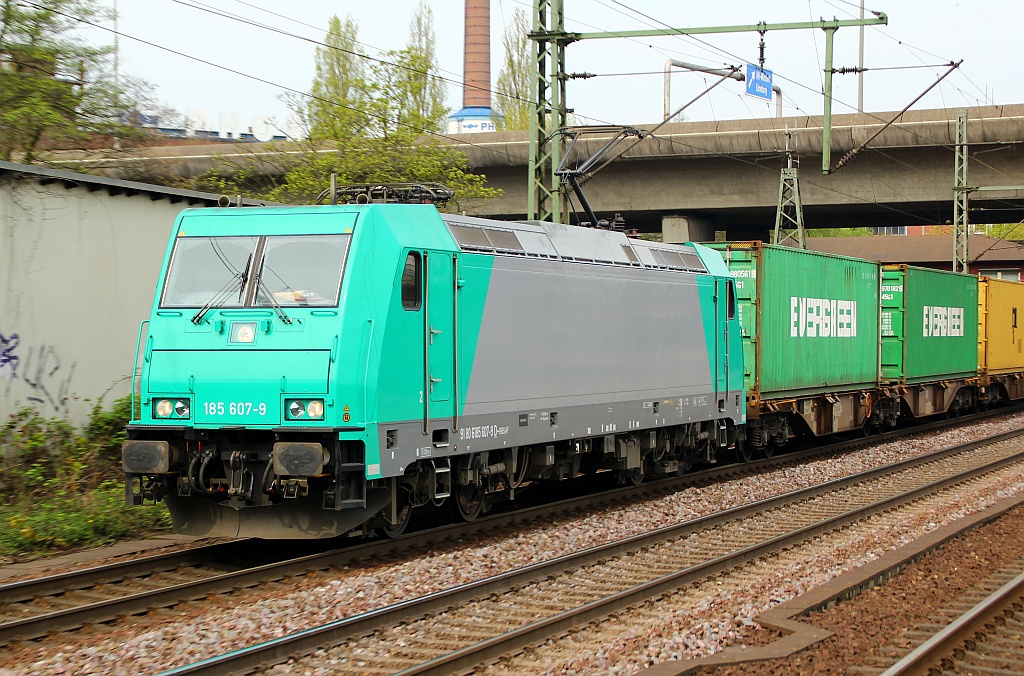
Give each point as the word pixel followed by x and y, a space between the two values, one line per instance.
pixel 34 608
pixel 48 605
pixel 987 638
pixel 476 623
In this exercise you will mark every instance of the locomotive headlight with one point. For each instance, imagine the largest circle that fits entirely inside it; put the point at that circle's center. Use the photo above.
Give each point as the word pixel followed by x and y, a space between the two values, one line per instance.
pixel 300 409
pixel 171 408
pixel 163 408
pixel 243 332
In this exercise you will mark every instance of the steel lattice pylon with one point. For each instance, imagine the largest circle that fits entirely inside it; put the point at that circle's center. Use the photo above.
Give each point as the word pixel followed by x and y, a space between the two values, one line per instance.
pixel 547 80
pixel 960 194
pixel 789 215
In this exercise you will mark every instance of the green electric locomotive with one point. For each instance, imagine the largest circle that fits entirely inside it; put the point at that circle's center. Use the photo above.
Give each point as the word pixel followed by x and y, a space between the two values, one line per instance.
pixel 321 370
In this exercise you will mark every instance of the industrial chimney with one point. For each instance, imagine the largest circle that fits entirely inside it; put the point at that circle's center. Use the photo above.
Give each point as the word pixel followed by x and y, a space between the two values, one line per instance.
pixel 476 114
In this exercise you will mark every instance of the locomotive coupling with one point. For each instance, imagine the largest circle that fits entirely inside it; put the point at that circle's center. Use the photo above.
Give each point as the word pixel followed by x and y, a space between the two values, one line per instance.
pixel 147 457
pixel 294 458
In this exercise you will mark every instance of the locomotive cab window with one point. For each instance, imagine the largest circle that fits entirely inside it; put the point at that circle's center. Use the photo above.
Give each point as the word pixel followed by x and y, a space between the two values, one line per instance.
pixel 286 270
pixel 411 282
pixel 203 268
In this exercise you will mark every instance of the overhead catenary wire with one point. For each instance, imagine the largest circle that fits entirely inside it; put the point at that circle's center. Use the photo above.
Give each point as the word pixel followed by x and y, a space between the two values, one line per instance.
pixel 195 4
pixel 420 130
pixel 910 48
pixel 853 153
pixel 886 123
pixel 198 5
pixel 444 136
pixel 778 75
pixel 662 124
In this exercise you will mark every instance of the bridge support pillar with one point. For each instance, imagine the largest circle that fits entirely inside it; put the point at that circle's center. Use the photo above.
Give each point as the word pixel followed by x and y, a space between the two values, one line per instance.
pixel 679 228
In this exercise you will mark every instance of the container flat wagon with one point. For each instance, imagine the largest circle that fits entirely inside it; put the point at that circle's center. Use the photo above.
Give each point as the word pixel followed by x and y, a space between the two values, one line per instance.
pixel 1001 338
pixel 929 332
pixel 810 324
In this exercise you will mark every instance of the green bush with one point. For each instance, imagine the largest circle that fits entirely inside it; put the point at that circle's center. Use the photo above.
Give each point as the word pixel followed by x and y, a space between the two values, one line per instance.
pixel 92 518
pixel 64 488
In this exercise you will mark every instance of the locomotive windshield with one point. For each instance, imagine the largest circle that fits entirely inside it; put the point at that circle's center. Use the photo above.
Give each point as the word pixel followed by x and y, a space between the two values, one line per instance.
pixel 303 270
pixel 292 270
pixel 203 267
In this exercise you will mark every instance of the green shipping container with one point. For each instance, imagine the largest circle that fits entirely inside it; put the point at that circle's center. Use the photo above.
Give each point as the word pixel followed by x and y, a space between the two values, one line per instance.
pixel 809 320
pixel 929 324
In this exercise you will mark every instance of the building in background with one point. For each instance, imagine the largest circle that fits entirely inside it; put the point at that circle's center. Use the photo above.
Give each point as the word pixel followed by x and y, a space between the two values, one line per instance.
pixel 989 256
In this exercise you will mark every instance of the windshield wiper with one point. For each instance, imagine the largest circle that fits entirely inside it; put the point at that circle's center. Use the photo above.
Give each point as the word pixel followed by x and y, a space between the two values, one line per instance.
pixel 245 278
pixel 218 299
pixel 278 310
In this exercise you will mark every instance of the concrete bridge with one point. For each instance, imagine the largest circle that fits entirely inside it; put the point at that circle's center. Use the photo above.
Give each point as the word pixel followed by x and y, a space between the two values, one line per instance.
pixel 725 175
pixel 707 176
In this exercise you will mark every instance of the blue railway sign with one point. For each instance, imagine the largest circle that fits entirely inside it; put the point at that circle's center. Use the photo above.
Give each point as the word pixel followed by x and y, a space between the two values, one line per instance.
pixel 759 82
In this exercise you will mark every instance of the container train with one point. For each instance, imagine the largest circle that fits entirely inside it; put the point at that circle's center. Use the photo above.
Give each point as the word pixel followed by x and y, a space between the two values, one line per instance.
pixel 308 372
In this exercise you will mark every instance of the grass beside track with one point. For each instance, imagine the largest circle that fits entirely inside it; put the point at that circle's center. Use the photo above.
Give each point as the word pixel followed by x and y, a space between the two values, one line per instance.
pixel 62 487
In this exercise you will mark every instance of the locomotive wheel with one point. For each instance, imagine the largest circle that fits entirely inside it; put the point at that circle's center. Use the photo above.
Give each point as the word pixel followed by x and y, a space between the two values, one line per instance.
pixel 634 476
pixel 404 517
pixel 467 502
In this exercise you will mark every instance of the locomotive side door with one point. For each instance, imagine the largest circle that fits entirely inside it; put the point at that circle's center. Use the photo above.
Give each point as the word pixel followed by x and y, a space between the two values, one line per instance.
pixel 724 308
pixel 439 334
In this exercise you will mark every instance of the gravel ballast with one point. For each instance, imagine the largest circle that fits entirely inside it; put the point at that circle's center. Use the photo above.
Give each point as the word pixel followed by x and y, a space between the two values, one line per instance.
pixel 194 631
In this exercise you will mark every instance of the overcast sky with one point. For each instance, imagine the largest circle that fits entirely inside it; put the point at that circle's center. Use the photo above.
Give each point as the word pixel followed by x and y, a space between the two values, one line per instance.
pixel 984 33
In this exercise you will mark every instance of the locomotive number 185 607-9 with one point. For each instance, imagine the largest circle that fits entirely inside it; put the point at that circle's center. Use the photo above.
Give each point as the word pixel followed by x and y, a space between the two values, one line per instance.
pixel 234 408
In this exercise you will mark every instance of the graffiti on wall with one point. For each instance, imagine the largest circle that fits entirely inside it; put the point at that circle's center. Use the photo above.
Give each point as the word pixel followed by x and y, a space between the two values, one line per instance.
pixel 41 370
pixel 9 356
pixel 48 378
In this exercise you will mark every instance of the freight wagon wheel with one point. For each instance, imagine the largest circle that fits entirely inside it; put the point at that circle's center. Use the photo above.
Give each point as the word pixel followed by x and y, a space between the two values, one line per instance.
pixel 769 449
pixel 746 452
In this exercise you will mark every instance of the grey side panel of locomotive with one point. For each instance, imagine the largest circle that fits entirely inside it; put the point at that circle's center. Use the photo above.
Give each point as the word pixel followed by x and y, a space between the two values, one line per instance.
pixel 554 334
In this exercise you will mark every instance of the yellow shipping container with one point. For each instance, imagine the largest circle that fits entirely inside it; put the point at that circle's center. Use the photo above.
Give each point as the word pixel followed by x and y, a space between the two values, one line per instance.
pixel 1000 333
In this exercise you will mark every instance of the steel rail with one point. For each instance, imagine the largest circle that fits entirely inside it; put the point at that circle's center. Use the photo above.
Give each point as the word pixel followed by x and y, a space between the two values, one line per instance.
pixel 271 652
pixel 935 650
pixel 20 590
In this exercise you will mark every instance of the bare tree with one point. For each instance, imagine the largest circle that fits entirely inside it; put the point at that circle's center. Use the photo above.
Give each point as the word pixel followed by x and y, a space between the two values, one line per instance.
pixel 512 100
